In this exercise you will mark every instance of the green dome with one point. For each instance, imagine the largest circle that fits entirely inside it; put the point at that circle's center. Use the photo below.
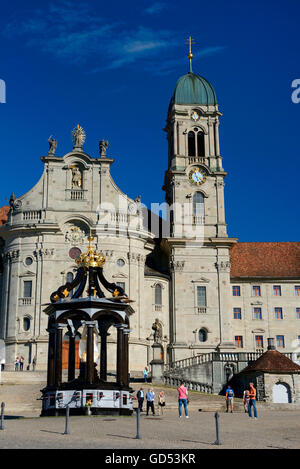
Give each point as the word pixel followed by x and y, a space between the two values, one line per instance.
pixel 193 89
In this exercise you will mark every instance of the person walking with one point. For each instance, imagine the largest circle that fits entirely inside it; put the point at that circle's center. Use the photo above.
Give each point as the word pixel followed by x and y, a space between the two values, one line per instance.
pixel 150 401
pixel 246 399
pixel 252 401
pixel 145 374
pixel 34 363
pixel 140 398
pixel 17 364
pixel 182 399
pixel 22 363
pixel 161 402
pixel 229 399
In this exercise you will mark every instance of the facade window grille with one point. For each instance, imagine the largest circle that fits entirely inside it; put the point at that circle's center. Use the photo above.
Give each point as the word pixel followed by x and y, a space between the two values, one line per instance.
pixel 236 290
pixel 237 313
pixel 259 341
pixel 257 313
pixel 276 290
pixel 280 341
pixel 278 313
pixel 256 290
pixel 238 339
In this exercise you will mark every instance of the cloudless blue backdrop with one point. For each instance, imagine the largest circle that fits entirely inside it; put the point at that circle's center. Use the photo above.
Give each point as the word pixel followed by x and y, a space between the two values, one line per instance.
pixel 112 67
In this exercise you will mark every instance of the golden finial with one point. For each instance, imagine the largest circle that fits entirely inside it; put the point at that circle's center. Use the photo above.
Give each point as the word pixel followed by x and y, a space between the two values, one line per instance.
pixel 190 41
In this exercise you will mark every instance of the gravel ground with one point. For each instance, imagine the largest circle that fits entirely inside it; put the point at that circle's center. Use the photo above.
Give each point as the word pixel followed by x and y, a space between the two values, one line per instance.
pixel 272 430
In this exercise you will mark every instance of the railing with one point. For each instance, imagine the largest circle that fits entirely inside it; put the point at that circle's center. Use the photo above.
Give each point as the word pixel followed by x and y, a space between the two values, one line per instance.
pixel 217 356
pixel 192 385
pixel 75 194
pixel 119 217
pixel 198 220
pixel 25 301
pixel 32 215
pixel 158 307
pixel 197 159
pixel 201 310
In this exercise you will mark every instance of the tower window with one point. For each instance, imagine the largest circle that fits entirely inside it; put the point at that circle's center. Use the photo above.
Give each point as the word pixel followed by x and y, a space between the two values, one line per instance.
pixel 26 324
pixel 27 289
pixel 158 295
pixel 191 144
pixel 200 144
pixel 201 297
pixel 70 277
pixel 198 204
pixel 202 335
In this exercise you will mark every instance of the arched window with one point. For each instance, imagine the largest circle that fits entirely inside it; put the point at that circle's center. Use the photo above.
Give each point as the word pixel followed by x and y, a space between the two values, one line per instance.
pixel 26 323
pixel 191 144
pixel 196 146
pixel 198 204
pixel 200 144
pixel 203 335
pixel 158 295
pixel 70 277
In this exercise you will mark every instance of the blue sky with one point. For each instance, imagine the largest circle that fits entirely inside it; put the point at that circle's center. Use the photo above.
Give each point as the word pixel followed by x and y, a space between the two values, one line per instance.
pixel 112 67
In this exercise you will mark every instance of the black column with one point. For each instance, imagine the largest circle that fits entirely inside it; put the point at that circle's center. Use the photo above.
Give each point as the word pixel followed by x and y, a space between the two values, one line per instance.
pixel 71 361
pixel 58 355
pixel 120 346
pixel 51 358
pixel 103 356
pixel 90 368
pixel 125 358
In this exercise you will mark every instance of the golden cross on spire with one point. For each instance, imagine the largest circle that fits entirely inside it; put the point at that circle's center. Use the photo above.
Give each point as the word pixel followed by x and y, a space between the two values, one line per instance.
pixel 190 41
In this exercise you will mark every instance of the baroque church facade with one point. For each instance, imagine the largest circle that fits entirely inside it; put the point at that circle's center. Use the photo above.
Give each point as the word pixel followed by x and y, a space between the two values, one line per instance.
pixel 205 291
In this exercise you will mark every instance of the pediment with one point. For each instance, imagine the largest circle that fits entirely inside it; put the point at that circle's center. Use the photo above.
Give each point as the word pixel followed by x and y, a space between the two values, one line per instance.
pixel 201 280
pixel 28 273
pixel 258 330
pixel 120 275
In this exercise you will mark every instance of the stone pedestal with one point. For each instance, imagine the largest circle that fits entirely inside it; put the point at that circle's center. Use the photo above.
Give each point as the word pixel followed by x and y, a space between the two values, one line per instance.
pixel 157 364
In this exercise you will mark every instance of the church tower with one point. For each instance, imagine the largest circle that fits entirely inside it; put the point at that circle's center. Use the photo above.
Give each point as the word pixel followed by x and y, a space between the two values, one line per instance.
pixel 198 242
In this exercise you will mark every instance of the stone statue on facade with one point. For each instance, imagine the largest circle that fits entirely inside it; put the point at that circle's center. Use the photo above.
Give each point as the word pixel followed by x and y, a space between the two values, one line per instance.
pixel 52 145
pixel 157 328
pixel 103 145
pixel 78 135
pixel 76 178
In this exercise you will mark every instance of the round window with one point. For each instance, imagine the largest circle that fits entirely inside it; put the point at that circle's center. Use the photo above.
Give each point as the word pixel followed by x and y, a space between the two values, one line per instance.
pixel 26 324
pixel 28 260
pixel 120 262
pixel 74 253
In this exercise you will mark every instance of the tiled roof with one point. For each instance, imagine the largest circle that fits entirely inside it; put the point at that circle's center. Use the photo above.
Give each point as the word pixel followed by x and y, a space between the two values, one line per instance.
pixel 280 260
pixel 3 214
pixel 273 361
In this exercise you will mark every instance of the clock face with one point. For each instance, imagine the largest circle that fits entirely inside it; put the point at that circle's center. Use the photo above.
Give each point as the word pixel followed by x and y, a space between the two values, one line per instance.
pixel 197 176
pixel 195 116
